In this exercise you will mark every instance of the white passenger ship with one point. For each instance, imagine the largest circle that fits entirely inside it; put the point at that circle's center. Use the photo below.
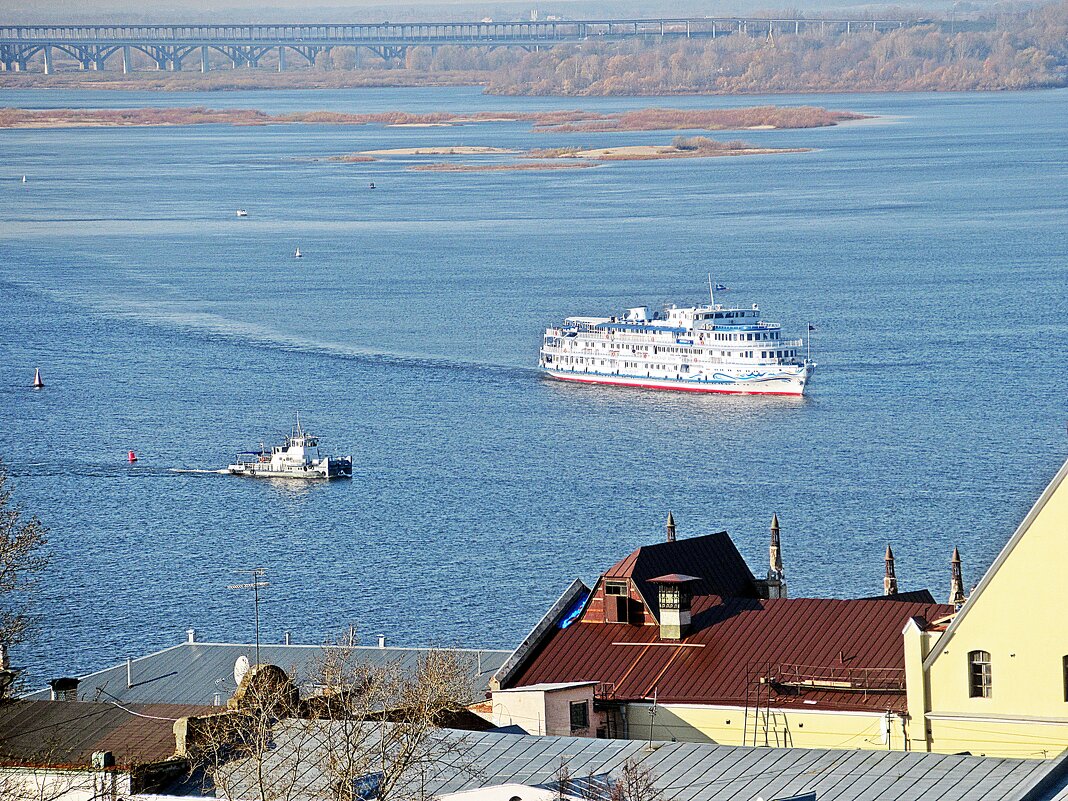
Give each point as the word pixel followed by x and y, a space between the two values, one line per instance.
pixel 298 458
pixel 710 348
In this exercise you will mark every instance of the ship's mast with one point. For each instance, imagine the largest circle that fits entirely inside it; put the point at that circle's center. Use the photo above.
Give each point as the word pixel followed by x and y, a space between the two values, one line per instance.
pixel 711 294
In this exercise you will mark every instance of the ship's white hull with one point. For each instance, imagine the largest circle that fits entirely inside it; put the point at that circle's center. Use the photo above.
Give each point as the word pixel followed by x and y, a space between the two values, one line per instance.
pixel 328 469
pixel 754 383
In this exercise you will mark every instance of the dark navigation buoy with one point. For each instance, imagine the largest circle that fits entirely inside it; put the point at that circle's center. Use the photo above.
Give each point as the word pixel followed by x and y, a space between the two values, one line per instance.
pixel 38 382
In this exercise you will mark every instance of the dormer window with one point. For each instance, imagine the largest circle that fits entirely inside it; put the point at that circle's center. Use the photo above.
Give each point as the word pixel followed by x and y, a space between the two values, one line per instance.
pixel 616 602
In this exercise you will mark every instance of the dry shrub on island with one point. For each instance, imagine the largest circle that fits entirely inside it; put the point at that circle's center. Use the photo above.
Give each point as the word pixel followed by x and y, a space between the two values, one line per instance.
pixel 668 119
pixel 702 144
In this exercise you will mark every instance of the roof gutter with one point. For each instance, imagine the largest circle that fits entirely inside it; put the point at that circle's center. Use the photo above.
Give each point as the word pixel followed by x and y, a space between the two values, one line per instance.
pixel 538 634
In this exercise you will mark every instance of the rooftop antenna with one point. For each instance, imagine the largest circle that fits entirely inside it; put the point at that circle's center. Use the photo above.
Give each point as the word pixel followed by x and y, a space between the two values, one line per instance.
pixel 255 585
pixel 711 295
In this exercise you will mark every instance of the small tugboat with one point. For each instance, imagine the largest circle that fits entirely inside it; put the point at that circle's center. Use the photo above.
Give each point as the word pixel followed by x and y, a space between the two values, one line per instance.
pixel 298 458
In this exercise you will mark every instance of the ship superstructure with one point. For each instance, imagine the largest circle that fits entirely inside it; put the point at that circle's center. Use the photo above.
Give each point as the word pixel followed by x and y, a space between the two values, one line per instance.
pixel 708 348
pixel 298 457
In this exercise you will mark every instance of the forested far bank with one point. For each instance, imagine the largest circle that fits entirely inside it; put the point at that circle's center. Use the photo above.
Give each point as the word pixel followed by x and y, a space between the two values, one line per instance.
pixel 1028 52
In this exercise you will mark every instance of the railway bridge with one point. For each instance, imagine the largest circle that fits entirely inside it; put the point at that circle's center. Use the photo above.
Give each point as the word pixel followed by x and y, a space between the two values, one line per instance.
pixel 170 47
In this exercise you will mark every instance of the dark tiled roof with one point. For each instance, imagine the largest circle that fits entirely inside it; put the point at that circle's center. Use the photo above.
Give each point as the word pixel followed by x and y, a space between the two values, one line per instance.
pixel 62 733
pixel 736 640
pixel 203 673
pixel 912 596
pixel 712 559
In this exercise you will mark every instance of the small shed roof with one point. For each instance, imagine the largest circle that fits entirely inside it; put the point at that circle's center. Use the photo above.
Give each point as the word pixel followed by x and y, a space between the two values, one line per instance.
pixel 62 733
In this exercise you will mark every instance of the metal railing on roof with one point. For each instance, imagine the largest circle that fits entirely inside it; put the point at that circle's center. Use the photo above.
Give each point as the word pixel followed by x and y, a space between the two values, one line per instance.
pixel 838 678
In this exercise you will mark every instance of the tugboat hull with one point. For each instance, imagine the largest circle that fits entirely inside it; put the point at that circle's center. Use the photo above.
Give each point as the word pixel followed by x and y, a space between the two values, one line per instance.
pixel 328 468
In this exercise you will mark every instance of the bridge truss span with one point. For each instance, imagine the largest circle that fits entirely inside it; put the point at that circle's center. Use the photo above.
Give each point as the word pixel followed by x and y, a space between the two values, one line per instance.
pixel 169 46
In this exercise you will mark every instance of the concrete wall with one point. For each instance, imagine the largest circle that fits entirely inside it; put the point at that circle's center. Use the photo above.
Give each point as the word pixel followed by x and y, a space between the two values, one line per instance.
pixel 798 728
pixel 63 785
pixel 540 711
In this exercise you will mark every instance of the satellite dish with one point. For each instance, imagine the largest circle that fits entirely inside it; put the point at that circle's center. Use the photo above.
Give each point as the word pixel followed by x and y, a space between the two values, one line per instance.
pixel 241 669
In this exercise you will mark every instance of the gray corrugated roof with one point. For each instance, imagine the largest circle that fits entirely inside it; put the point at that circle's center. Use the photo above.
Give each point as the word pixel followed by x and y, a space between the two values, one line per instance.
pixel 194 673
pixel 685 771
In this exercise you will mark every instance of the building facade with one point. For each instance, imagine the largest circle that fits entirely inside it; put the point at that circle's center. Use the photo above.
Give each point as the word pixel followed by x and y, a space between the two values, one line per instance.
pixel 679 641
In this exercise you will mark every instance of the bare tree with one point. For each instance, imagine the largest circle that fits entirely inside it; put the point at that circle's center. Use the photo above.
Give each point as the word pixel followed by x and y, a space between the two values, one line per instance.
pixel 365 731
pixel 22 558
pixel 635 782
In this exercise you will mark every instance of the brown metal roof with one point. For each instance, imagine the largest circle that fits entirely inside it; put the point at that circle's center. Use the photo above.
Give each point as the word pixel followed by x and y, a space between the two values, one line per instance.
pixel 815 646
pixel 67 733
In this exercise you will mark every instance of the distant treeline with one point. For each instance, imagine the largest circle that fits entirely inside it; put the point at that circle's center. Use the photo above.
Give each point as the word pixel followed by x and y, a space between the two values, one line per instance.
pixel 1026 51
pixel 1021 50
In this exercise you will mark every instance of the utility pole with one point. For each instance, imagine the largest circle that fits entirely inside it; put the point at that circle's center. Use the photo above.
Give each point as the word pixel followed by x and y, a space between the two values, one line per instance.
pixel 254 585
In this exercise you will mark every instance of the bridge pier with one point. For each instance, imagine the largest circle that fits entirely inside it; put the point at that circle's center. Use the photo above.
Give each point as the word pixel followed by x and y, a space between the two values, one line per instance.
pixel 281 59
pixel 204 65
pixel 47 49
pixel 127 60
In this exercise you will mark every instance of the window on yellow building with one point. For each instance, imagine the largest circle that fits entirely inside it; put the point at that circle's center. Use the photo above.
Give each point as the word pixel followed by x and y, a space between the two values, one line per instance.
pixel 979 674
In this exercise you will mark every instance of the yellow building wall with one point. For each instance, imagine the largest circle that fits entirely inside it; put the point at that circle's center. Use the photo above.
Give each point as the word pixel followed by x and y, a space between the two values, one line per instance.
pixel 1018 615
pixel 791 728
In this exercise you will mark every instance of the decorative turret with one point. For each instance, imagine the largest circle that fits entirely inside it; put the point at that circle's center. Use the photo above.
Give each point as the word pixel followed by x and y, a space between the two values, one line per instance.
pixel 956 581
pixel 670 527
pixel 890 579
pixel 776 583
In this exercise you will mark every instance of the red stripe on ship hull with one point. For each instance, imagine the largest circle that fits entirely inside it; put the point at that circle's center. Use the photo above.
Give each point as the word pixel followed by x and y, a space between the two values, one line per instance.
pixel 671 388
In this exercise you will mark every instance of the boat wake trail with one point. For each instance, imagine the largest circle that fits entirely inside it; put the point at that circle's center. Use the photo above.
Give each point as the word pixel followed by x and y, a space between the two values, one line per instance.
pixel 202 472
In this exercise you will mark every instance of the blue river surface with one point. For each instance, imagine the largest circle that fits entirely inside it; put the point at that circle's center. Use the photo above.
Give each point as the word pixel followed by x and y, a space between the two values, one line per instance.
pixel 926 246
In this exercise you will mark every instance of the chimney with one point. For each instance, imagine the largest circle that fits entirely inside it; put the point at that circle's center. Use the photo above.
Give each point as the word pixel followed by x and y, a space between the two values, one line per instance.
pixel 890 579
pixel 190 635
pixel 64 689
pixel 287 639
pixel 675 595
pixel 129 673
pixel 5 657
pixel 381 640
pixel 956 581
pixel 671 527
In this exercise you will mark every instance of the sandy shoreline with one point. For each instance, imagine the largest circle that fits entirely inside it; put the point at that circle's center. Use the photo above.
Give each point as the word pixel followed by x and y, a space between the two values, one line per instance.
pixel 460 150
pixel 654 152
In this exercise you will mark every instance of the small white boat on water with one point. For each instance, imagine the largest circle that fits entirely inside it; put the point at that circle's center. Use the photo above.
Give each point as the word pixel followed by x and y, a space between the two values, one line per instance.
pixel 242 213
pixel 297 254
pixel 299 457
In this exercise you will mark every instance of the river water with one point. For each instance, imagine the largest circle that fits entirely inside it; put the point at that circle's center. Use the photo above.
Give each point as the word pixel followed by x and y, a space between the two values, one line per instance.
pixel 927 247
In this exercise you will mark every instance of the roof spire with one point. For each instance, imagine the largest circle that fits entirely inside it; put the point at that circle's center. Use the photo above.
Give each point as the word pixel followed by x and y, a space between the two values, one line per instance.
pixel 775 585
pixel 890 579
pixel 956 581
pixel 775 570
pixel 671 527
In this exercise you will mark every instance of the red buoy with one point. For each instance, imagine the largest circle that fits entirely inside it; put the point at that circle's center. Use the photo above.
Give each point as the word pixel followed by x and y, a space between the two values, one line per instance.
pixel 131 457
pixel 38 382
